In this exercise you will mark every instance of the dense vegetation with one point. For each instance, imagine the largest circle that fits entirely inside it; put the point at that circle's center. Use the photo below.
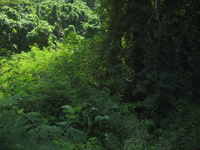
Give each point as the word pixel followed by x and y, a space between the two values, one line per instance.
pixel 99 75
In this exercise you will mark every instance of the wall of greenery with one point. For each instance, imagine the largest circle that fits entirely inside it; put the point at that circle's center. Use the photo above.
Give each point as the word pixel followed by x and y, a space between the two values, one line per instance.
pixel 99 75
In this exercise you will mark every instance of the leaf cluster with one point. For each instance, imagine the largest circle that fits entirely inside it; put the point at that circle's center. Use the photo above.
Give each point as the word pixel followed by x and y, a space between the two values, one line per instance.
pixel 43 23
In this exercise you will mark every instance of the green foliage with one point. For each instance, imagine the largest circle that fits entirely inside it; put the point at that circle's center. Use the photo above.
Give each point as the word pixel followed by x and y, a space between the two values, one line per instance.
pixel 57 105
pixel 10 2
pixel 11 13
pixel 30 130
pixel 70 30
pixel 31 19
pixel 148 53
pixel 19 35
pixel 53 15
pixel 9 30
pixel 91 3
pixel 132 86
pixel 40 34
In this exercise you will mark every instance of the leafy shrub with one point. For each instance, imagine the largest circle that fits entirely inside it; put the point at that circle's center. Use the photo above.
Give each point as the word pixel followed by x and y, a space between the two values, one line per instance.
pixel 57 105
